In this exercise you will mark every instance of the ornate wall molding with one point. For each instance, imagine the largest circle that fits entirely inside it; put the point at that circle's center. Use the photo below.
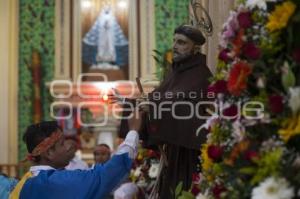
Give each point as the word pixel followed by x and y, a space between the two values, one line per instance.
pixel 147 32
pixel 219 12
pixel 62 39
pixel 9 82
pixel 133 40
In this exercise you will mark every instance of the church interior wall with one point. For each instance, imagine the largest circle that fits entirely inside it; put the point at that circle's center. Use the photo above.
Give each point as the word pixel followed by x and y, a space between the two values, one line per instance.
pixel 33 25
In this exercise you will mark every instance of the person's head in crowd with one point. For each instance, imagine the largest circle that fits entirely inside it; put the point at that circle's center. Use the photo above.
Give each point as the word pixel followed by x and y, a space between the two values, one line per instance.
pixel 102 153
pixel 46 145
pixel 7 184
pixel 187 41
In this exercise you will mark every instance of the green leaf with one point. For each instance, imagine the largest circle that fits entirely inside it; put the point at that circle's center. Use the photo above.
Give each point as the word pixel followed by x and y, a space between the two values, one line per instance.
pixel 157 59
pixel 186 195
pixel 157 52
pixel 178 189
pixel 248 170
pixel 217 168
pixel 288 78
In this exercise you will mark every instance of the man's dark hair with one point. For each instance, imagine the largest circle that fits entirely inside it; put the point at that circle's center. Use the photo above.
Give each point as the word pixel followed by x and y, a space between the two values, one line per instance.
pixel 36 133
pixel 191 32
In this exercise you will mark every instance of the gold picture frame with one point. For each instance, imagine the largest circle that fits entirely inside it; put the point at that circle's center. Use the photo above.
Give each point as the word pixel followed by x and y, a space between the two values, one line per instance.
pixel 141 38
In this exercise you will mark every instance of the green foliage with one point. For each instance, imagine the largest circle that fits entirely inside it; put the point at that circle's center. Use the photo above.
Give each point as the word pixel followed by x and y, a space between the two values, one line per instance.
pixel 178 190
pixel 288 78
pixel 36 20
pixel 219 134
pixel 162 64
pixel 272 45
pixel 181 194
pixel 268 165
pixel 168 15
pixel 186 195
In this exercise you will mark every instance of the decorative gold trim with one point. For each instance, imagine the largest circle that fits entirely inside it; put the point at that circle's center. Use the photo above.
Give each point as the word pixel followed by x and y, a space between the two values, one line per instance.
pixel 76 40
pixel 13 82
pixel 62 39
pixel 133 40
pixel 147 31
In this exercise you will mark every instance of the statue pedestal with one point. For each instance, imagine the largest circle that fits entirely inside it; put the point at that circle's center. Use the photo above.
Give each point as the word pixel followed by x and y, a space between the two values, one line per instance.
pixel 112 75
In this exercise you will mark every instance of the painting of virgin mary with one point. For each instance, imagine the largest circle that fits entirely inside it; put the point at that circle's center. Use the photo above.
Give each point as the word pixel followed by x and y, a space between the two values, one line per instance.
pixel 104 43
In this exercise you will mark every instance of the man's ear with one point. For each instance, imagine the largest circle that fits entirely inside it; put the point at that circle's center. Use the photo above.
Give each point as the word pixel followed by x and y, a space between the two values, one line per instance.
pixel 197 49
pixel 47 155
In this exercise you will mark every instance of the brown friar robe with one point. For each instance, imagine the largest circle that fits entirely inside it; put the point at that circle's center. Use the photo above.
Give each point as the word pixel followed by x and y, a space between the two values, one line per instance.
pixel 184 87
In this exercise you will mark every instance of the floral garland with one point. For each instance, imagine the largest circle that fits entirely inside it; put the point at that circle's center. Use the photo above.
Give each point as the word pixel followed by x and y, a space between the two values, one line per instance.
pixel 145 171
pixel 254 152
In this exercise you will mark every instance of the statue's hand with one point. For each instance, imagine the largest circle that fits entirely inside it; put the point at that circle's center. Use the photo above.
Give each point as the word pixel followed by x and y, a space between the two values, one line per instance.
pixel 116 97
pixel 143 104
pixel 135 122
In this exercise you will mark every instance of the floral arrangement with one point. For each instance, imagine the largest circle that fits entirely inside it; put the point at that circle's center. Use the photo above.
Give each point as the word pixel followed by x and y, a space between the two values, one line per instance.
pixel 253 145
pixel 145 171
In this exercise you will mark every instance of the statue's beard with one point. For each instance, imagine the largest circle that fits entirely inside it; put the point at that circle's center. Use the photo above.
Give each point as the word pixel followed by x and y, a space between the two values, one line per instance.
pixel 180 57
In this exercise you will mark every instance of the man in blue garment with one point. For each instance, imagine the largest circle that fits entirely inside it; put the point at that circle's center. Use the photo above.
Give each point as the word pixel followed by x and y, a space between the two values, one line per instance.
pixel 48 180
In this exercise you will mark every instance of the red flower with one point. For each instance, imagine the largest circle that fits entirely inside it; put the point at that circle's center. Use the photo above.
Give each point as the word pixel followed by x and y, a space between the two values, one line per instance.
pixel 215 153
pixel 151 153
pixel 224 55
pixel 276 103
pixel 195 190
pixel 219 86
pixel 196 178
pixel 251 155
pixel 244 19
pixel 296 55
pixel 238 42
pixel 218 190
pixel 238 76
pixel 231 112
pixel 251 51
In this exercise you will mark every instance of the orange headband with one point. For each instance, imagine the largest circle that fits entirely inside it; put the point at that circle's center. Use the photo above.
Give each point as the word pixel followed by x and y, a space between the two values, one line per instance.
pixel 45 145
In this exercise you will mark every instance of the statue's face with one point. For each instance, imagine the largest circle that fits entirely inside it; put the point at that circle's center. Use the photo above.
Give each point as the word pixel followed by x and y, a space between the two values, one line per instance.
pixel 182 47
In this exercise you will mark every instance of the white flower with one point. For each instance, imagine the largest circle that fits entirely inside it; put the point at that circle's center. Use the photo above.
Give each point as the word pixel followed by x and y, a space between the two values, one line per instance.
pixel 141 182
pixel 296 164
pixel 271 145
pixel 137 172
pixel 201 196
pixel 238 131
pixel 230 28
pixel 262 4
pixel 209 122
pixel 153 171
pixel 261 83
pixel 273 188
pixel 294 101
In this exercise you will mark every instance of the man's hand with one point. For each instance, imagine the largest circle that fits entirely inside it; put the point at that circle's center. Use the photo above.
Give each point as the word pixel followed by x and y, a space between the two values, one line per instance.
pixel 135 122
